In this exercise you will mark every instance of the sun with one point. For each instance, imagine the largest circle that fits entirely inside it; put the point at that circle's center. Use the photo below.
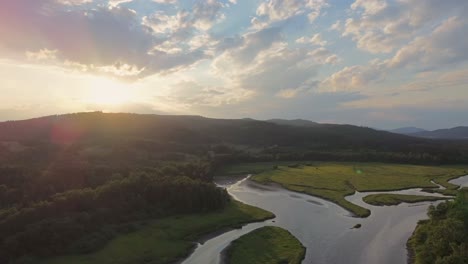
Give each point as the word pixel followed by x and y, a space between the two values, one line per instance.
pixel 107 92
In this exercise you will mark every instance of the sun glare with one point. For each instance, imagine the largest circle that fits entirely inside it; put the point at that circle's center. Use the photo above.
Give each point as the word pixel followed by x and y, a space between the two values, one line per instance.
pixel 106 92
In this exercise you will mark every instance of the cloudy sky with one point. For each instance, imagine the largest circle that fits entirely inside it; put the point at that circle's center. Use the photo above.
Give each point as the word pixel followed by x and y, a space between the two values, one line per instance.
pixel 378 63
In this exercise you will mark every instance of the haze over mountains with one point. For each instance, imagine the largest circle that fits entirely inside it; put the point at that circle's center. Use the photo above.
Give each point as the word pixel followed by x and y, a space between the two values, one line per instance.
pixel 189 128
pixel 451 133
pixel 193 129
pixel 460 132
pixel 407 130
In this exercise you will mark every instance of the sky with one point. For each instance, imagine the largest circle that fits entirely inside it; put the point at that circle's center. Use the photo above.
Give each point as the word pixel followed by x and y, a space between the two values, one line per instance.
pixel 376 63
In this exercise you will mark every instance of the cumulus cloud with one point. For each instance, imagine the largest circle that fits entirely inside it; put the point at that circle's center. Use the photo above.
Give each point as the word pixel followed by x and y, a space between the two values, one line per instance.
pixel 189 93
pixel 43 54
pixel 92 39
pixel 187 31
pixel 336 26
pixel 165 1
pixel 447 44
pixel 74 2
pixel 380 26
pixel 354 78
pixel 316 39
pixel 178 25
pixel 183 24
pixel 437 48
pixel 279 10
pixel 263 62
pixel 114 3
pixel 370 7
pixel 206 14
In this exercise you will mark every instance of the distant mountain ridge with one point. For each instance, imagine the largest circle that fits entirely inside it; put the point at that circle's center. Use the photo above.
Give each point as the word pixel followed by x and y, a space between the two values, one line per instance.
pixel 293 122
pixel 460 132
pixel 200 130
pixel 172 137
pixel 407 130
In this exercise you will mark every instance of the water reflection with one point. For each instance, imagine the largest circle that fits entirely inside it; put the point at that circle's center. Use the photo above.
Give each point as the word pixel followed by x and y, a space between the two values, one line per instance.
pixel 462 181
pixel 324 228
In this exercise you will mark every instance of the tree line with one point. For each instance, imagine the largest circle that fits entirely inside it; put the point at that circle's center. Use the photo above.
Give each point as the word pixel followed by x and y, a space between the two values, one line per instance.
pixel 443 238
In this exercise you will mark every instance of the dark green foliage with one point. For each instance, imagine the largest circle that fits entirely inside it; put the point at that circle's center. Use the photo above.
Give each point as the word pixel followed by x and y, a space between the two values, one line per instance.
pixel 443 239
pixel 266 245
pixel 80 220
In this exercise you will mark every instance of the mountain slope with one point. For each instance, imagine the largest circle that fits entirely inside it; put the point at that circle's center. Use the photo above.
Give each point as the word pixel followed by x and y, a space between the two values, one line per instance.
pixel 134 138
pixel 450 133
pixel 407 130
pixel 293 122
pixel 193 130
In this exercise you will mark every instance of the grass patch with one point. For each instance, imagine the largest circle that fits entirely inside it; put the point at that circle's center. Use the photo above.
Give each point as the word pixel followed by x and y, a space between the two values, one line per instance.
pixel 167 240
pixel 396 199
pixel 266 245
pixel 333 181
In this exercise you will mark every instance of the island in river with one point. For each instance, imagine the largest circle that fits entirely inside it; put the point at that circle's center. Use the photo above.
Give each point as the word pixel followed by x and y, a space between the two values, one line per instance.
pixel 266 245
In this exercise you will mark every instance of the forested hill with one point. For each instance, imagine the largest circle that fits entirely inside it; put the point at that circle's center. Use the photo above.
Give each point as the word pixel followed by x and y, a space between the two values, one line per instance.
pixel 196 130
pixel 195 134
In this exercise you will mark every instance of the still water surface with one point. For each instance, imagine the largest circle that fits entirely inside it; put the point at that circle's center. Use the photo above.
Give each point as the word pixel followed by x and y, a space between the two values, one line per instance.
pixel 324 228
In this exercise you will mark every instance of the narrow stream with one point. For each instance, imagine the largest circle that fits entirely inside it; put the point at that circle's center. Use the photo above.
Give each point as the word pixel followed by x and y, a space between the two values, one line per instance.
pixel 462 181
pixel 323 227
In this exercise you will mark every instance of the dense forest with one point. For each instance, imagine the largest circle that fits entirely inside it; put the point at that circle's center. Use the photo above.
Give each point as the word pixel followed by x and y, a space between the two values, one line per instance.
pixel 443 239
pixel 76 210
pixel 70 183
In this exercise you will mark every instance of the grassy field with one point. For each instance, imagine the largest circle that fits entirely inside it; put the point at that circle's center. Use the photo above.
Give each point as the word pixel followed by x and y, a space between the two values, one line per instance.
pixel 395 199
pixel 266 245
pixel 166 240
pixel 333 181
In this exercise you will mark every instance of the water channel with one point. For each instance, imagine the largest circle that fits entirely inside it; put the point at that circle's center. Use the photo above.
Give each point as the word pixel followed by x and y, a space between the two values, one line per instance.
pixel 323 227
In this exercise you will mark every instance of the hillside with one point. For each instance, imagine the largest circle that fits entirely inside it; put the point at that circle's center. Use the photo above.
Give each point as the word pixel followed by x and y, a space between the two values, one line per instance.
pixel 80 127
pixel 195 135
pixel 450 133
pixel 294 122
pixel 407 130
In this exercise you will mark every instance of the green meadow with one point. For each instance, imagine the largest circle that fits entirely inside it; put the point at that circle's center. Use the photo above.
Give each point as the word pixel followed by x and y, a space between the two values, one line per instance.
pixel 335 180
pixel 266 245
pixel 166 240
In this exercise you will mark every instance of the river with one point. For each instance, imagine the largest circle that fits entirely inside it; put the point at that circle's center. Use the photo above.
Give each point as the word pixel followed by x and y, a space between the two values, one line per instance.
pixel 324 228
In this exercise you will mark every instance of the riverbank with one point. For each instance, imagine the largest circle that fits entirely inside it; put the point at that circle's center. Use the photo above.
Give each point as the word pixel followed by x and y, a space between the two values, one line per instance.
pixel 169 239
